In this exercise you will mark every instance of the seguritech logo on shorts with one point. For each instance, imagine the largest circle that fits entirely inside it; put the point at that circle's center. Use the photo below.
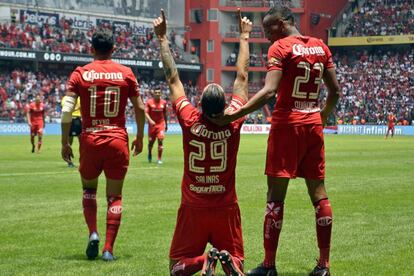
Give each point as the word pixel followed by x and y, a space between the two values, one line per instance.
pixel 93 75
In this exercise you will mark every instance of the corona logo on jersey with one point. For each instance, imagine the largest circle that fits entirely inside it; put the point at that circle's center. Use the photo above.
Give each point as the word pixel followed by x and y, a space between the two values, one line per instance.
pixel 300 50
pixel 93 75
pixel 201 130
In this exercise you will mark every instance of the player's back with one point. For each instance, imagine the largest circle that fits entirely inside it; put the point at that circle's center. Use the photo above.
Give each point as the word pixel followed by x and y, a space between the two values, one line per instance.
pixel 210 156
pixel 302 60
pixel 104 87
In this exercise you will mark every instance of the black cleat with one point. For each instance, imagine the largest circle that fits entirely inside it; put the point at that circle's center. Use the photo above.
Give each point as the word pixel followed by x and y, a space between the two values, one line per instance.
pixel 149 157
pixel 320 271
pixel 210 263
pixel 261 270
pixel 228 264
pixel 93 246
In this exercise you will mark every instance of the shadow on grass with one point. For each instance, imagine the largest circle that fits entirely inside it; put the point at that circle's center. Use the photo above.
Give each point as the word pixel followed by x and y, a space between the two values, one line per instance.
pixel 82 257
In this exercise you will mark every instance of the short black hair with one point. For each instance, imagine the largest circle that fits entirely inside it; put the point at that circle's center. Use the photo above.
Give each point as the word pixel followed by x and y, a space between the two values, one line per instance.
pixel 103 40
pixel 213 100
pixel 282 12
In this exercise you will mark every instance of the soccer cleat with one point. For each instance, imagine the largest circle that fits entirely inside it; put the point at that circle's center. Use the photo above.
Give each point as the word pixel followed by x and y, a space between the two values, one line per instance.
pixel 210 262
pixel 228 264
pixel 71 165
pixel 93 246
pixel 33 148
pixel 320 271
pixel 159 162
pixel 261 270
pixel 108 257
pixel 149 158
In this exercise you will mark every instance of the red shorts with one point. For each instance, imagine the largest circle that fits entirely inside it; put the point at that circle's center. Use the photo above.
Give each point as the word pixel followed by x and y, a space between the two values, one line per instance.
pixel 221 227
pixel 390 127
pixel 103 153
pixel 156 132
pixel 296 152
pixel 36 129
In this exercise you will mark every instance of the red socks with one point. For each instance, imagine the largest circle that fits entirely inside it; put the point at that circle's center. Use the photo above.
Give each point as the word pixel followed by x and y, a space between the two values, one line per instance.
pixel 271 230
pixel 113 220
pixel 189 266
pixel 160 149
pixel 323 217
pixel 89 209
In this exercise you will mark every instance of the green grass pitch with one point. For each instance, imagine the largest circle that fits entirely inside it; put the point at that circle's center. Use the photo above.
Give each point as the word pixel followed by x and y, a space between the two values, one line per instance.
pixel 370 182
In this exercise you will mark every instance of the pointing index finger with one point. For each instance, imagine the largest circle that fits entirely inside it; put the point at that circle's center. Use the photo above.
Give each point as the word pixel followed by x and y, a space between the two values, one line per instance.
pixel 162 15
pixel 239 17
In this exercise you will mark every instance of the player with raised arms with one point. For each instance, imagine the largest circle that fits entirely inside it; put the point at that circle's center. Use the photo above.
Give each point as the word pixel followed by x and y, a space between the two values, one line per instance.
pixel 104 88
pixel 296 67
pixel 209 212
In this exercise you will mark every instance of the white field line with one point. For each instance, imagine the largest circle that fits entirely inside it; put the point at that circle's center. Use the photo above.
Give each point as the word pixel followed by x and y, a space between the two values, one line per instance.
pixel 64 172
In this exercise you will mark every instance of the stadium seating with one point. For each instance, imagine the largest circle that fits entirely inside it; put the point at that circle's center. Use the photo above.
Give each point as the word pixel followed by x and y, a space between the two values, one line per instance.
pixel 380 18
pixel 70 40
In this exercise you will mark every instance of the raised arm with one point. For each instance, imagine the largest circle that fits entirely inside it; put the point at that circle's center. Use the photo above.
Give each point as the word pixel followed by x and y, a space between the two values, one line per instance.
pixel 240 87
pixel 170 68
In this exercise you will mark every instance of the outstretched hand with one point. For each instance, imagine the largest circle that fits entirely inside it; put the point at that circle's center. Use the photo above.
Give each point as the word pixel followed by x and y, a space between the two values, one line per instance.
pixel 245 25
pixel 160 25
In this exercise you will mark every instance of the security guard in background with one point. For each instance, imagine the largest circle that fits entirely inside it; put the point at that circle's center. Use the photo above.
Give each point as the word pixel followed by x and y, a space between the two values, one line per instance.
pixel 76 127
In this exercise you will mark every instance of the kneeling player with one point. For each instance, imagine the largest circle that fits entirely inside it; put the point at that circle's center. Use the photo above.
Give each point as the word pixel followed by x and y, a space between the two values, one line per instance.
pixel 209 212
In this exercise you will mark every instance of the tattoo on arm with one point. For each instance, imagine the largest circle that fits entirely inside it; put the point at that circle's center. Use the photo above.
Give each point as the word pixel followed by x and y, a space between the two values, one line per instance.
pixel 170 68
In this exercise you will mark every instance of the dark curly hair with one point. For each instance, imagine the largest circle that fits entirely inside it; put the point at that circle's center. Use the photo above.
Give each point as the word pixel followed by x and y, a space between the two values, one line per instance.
pixel 103 40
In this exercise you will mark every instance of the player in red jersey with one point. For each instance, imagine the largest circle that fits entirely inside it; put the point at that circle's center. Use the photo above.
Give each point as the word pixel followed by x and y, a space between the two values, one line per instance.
pixel 36 121
pixel 104 88
pixel 209 212
pixel 391 125
pixel 156 114
pixel 296 66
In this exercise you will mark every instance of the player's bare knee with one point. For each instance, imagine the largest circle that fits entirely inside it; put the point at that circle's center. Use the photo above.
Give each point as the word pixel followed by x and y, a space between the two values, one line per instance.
pixel 89 183
pixel 276 189
pixel 316 189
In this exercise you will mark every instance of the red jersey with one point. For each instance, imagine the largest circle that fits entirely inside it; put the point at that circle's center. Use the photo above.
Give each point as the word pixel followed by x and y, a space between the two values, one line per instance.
pixel 391 120
pixel 156 110
pixel 210 155
pixel 36 112
pixel 104 87
pixel 302 60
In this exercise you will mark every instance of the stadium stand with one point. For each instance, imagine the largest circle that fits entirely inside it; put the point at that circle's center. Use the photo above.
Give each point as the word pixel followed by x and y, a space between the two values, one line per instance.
pixel 374 83
pixel 380 18
pixel 131 43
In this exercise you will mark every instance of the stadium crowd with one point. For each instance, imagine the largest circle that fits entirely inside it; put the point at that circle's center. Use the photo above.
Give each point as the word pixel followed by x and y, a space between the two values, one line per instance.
pixel 375 84
pixel 132 42
pixel 380 18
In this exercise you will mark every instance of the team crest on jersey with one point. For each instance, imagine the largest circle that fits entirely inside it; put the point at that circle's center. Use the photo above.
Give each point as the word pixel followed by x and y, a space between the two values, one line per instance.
pixel 274 62
pixel 93 75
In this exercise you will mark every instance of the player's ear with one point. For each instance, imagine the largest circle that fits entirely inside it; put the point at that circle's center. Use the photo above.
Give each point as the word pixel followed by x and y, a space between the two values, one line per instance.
pixel 93 52
pixel 113 49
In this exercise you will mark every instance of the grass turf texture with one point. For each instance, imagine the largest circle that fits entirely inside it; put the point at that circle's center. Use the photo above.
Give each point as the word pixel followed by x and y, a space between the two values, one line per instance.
pixel 370 183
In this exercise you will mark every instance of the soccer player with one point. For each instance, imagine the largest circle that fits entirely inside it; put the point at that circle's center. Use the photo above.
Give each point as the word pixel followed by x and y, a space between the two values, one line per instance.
pixel 76 125
pixel 104 88
pixel 391 125
pixel 296 66
pixel 36 121
pixel 209 212
pixel 156 114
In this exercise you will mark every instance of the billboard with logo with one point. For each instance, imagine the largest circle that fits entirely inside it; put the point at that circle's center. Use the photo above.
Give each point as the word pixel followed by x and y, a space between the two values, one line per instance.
pixel 39 18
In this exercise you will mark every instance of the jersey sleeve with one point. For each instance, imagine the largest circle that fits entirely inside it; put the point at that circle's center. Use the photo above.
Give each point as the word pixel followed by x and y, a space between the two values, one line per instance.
pixel 186 112
pixel 276 57
pixel 329 61
pixel 235 104
pixel 74 81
